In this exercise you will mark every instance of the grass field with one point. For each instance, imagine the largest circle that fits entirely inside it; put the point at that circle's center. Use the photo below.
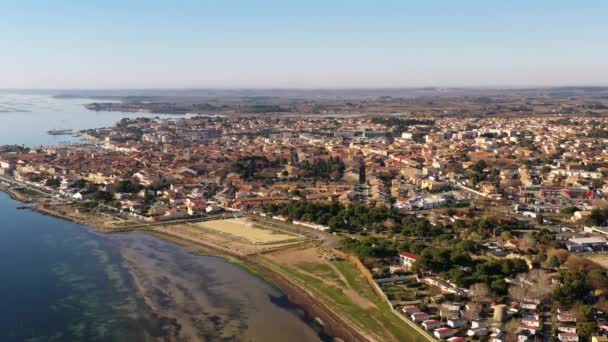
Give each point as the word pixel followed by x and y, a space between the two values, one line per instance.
pixel 241 228
pixel 340 285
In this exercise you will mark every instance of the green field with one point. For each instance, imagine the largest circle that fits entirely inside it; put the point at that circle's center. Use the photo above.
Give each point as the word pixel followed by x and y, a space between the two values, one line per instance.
pixel 405 290
pixel 377 320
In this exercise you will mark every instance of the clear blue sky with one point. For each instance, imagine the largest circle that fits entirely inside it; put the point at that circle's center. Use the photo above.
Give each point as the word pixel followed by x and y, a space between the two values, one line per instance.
pixel 289 43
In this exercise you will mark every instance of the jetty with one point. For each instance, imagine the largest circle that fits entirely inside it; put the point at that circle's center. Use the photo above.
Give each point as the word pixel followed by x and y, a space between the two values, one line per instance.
pixel 60 132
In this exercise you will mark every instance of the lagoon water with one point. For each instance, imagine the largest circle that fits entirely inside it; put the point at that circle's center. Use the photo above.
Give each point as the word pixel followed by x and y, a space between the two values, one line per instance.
pixel 26 118
pixel 63 282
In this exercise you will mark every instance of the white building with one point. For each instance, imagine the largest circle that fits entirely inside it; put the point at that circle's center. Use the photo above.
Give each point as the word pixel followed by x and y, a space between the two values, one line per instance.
pixel 408 259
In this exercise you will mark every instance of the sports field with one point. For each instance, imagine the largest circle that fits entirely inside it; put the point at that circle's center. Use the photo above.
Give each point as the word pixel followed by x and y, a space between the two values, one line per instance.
pixel 241 228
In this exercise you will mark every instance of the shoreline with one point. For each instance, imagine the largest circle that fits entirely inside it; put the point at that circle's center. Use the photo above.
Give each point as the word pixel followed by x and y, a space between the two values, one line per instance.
pixel 331 323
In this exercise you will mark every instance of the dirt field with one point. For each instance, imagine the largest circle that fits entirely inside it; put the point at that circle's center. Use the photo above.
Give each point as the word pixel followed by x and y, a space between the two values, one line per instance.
pixel 600 259
pixel 241 228
pixel 231 237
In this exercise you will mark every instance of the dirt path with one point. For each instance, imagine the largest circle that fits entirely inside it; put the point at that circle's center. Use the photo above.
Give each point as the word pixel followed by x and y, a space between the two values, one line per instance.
pixel 351 293
pixel 314 255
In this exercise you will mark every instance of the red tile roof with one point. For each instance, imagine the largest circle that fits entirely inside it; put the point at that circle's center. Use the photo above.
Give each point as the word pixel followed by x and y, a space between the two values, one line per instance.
pixel 410 255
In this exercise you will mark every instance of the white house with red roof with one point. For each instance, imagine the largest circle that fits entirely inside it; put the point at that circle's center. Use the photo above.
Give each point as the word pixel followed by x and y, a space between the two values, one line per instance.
pixel 431 324
pixel 456 339
pixel 566 317
pixel 419 317
pixel 443 332
pixel 408 259
pixel 532 322
pixel 408 310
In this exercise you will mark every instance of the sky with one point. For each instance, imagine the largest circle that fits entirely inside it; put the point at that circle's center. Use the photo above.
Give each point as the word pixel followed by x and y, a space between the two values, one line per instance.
pixel 302 44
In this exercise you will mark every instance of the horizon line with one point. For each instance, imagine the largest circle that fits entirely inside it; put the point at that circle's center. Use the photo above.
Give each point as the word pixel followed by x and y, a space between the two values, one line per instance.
pixel 429 87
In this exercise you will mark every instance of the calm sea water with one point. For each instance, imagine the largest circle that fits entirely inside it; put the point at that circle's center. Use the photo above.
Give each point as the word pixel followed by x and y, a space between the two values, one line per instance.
pixel 26 118
pixel 63 282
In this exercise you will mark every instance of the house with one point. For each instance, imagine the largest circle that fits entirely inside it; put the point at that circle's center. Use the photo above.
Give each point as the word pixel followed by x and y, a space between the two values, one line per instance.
pixel 531 322
pixel 449 310
pixel 408 310
pixel 529 306
pixel 476 332
pixel 457 323
pixel 443 333
pixel 431 324
pixel 527 329
pixel 566 317
pixel 7 165
pixel 497 337
pixel 444 286
pixel 456 339
pixel 419 317
pixel 480 323
pixel 567 328
pixel 408 259
pixel 602 324
pixel 83 195
pixel 525 336
pixel 567 337
pixel 212 208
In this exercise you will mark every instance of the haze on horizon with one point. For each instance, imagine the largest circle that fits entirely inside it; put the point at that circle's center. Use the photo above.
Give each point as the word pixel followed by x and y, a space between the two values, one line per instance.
pixel 301 44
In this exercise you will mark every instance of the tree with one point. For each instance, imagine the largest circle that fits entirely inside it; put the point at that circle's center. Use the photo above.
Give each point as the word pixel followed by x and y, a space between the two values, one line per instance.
pixel 505 237
pixel 540 219
pixel 597 279
pixel 539 287
pixel 602 304
pixel 573 287
pixel 80 184
pixel 585 320
pixel 511 329
pixel 517 292
pixel 334 223
pixel 472 313
pixel 126 186
pixel 586 329
pixel 103 196
pixel 598 217
pixel 553 262
pixel 499 286
pixel 479 292
pixel 560 254
pixel 533 285
pixel 53 182
pixel 527 243
pixel 487 223
pixel 568 210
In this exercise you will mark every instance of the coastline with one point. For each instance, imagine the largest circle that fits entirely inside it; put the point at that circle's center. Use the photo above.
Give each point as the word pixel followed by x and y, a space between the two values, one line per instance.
pixel 329 322
pixel 332 323
pixel 15 195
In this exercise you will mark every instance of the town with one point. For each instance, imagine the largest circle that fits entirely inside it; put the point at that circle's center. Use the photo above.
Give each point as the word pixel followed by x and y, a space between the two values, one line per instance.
pixel 420 227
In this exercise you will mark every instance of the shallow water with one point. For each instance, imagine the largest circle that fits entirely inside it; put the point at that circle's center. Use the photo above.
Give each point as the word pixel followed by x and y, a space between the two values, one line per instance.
pixel 63 282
